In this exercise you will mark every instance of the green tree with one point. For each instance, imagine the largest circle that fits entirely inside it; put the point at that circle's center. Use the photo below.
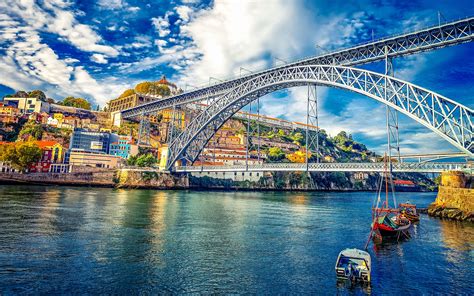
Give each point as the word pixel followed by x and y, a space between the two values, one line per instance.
pixel 21 155
pixel 275 154
pixel 51 101
pixel 146 160
pixel 76 102
pixel 20 94
pixel 33 129
pixel 37 94
pixel 132 160
pixel 127 93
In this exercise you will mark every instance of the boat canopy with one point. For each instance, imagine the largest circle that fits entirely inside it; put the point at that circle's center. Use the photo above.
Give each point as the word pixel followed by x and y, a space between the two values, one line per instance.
pixel 356 254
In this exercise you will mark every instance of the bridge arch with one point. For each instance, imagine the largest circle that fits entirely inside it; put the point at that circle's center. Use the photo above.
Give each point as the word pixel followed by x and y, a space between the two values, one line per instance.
pixel 447 118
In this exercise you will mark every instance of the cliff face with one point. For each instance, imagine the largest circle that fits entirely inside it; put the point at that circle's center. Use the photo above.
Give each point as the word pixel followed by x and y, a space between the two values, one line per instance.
pixel 455 198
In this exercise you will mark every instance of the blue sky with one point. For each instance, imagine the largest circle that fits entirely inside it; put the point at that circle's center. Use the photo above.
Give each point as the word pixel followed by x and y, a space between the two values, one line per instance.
pixel 97 49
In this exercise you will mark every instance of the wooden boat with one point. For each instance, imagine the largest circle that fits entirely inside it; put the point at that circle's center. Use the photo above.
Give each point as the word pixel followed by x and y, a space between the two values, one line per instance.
pixel 390 224
pixel 409 211
pixel 353 265
pixel 387 223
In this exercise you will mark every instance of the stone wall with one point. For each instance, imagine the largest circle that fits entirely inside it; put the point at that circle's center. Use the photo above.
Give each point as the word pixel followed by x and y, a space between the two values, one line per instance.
pixel 96 178
pixel 161 180
pixel 455 198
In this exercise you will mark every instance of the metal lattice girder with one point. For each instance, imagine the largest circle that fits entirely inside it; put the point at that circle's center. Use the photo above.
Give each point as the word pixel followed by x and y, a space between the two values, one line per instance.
pixel 448 34
pixel 144 131
pixel 434 167
pixel 449 119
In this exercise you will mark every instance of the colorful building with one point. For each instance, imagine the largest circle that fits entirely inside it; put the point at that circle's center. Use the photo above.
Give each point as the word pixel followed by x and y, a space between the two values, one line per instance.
pixel 52 152
pixel 123 147
pixel 93 142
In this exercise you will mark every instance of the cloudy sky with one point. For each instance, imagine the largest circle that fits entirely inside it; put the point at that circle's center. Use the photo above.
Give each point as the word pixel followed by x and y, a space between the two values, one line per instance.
pixel 97 49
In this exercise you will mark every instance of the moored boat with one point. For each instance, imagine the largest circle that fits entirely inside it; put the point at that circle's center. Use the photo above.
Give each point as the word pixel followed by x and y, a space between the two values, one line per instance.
pixel 409 211
pixel 387 222
pixel 354 265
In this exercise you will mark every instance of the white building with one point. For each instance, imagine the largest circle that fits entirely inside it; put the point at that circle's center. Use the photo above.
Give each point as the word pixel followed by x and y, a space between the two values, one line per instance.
pixel 28 105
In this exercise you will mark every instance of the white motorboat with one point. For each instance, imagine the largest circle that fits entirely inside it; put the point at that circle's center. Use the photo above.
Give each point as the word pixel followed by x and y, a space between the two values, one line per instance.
pixel 354 265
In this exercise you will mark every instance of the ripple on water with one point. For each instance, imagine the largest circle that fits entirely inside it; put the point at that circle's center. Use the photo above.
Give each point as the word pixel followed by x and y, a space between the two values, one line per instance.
pixel 98 240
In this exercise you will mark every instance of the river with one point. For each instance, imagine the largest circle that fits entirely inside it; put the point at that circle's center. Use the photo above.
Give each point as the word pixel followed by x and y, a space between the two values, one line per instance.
pixel 99 240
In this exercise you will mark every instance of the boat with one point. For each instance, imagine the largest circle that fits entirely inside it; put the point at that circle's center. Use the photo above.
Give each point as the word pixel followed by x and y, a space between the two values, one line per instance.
pixel 387 222
pixel 353 265
pixel 409 211
pixel 390 224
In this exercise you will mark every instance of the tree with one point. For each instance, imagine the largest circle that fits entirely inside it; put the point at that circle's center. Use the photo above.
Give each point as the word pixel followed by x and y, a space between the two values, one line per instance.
pixel 127 93
pixel 33 129
pixel 37 94
pixel 18 94
pixel 51 101
pixel 132 160
pixel 21 155
pixel 146 160
pixel 76 102
pixel 275 154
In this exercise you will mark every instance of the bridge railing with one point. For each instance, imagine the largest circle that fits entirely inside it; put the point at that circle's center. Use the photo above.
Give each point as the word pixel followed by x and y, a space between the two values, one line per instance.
pixel 329 167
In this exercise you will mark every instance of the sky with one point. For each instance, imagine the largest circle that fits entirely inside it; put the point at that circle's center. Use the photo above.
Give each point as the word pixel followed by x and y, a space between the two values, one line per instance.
pixel 97 49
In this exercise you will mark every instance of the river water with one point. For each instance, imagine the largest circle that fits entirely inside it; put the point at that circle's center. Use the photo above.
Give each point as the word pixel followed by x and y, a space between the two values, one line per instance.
pixel 98 240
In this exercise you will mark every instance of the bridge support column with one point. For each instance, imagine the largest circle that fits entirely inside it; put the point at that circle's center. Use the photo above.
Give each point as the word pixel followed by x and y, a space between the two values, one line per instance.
pixel 144 130
pixel 393 140
pixel 312 138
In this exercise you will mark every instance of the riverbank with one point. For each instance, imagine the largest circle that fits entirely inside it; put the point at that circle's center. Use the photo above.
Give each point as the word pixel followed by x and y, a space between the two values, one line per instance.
pixel 134 179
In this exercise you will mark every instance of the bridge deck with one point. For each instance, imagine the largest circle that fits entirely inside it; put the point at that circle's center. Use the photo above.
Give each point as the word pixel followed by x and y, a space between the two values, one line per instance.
pixel 323 167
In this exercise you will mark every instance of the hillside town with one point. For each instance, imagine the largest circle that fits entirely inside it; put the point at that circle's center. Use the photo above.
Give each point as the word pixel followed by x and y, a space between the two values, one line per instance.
pixel 40 135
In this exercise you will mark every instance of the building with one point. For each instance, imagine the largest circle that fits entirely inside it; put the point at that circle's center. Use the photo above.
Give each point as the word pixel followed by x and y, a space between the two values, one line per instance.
pixel 404 184
pixel 130 101
pixel 96 160
pixel 134 100
pixel 28 105
pixel 8 114
pixel 52 152
pixel 123 147
pixel 93 142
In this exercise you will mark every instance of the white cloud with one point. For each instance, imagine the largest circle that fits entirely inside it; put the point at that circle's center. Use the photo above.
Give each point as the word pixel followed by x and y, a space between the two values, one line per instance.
pixel 58 20
pixel 29 63
pixel 184 12
pixel 99 58
pixel 161 25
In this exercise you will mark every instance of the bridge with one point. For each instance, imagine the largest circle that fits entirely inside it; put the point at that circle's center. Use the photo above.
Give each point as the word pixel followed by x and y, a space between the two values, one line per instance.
pixel 373 167
pixel 449 119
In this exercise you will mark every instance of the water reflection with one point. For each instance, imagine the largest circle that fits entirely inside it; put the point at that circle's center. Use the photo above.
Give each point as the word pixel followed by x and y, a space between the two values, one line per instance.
pixel 107 241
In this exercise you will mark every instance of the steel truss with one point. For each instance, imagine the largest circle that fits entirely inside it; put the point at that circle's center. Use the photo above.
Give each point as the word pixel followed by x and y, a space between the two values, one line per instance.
pixel 449 119
pixel 144 131
pixel 439 36
pixel 432 167
pixel 312 138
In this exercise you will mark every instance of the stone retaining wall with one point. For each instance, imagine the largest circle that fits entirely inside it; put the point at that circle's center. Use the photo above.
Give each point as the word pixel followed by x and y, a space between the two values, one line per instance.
pixel 455 198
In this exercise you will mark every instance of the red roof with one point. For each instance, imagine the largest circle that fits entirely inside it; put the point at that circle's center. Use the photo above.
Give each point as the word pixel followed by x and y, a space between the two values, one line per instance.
pixel 46 144
pixel 403 182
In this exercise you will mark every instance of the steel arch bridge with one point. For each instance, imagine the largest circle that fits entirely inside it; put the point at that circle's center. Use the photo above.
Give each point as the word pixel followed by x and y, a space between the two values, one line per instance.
pixel 447 118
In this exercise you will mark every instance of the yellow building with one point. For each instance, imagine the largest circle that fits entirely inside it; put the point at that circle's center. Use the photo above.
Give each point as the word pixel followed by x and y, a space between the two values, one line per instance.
pixel 8 110
pixel 134 100
pixel 59 117
pixel 56 150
